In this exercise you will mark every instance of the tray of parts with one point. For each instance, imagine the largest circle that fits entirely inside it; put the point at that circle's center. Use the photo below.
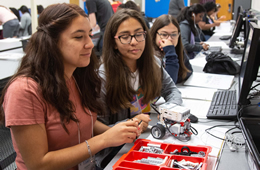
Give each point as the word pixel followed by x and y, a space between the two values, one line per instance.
pixel 147 154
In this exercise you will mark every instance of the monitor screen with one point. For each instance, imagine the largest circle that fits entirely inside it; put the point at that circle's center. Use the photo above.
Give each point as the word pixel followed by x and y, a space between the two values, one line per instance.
pixel 237 30
pixel 240 10
pixel 249 64
pixel 250 128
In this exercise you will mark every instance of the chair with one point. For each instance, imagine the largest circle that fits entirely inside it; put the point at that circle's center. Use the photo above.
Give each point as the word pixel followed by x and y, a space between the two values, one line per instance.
pixel 7 153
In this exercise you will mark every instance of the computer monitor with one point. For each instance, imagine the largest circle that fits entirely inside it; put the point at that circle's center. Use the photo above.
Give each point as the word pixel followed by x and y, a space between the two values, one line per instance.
pixel 247 21
pixel 249 64
pixel 237 29
pixel 240 10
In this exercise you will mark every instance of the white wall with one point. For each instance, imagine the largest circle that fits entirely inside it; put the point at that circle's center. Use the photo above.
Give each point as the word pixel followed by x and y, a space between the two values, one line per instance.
pixel 255 5
pixel 19 3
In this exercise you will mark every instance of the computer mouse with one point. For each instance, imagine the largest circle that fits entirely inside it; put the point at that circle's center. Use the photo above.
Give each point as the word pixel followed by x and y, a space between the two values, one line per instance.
pixel 193 118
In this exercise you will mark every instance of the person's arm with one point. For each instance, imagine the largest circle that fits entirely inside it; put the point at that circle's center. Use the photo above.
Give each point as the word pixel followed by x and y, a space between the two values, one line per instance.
pixel 172 62
pixel 23 22
pixel 170 92
pixel 181 4
pixel 92 20
pixel 92 9
pixel 100 128
pixel 30 135
pixel 185 37
pixel 33 146
pixel 204 26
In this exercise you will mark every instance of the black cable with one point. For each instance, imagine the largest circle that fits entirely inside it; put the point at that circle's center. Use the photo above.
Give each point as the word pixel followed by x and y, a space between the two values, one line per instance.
pixel 239 113
pixel 193 130
pixel 207 130
pixel 236 126
pixel 255 86
pixel 152 105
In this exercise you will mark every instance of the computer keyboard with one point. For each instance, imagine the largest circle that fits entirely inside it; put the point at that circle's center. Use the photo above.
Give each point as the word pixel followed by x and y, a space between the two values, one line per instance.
pixel 223 105
pixel 236 51
pixel 225 37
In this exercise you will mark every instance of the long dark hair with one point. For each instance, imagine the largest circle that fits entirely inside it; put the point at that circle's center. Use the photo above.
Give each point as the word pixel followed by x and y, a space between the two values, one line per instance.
pixel 118 86
pixel 16 12
pixel 159 23
pixel 43 63
pixel 24 9
pixel 186 14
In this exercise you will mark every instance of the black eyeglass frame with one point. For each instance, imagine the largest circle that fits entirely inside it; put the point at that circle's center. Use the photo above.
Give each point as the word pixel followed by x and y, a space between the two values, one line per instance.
pixel 160 34
pixel 119 37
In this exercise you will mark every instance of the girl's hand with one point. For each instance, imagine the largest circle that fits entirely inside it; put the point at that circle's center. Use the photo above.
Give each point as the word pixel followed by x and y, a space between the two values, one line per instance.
pixel 124 132
pixel 164 43
pixel 205 46
pixel 145 120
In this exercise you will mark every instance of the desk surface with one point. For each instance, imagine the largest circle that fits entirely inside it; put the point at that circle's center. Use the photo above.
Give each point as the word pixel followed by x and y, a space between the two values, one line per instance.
pixel 9 67
pixel 228 160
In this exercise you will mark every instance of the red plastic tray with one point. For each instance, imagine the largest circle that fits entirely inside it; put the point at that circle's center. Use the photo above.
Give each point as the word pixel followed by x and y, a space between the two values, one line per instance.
pixel 126 162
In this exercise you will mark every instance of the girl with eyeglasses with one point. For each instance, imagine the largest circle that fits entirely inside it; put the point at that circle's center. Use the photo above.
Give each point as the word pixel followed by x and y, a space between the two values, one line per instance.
pixel 188 20
pixel 133 75
pixel 168 47
pixel 51 104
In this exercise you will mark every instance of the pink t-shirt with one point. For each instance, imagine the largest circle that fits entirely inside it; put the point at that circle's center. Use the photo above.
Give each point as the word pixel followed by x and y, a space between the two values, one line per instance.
pixel 24 105
pixel 6 15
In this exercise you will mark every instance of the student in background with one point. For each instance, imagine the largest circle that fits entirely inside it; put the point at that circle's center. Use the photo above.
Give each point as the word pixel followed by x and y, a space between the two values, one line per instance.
pixel 39 10
pixel 115 4
pixel 51 103
pixel 188 19
pixel 207 24
pixel 175 7
pixel 9 21
pixel 16 12
pixel 25 26
pixel 132 5
pixel 168 47
pixel 214 16
pixel 132 74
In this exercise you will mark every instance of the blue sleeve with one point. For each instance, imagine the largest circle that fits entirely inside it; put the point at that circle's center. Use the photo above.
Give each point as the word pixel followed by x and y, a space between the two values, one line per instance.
pixel 172 62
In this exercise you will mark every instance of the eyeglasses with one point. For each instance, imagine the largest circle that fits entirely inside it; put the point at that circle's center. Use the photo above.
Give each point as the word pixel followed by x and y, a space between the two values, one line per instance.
pixel 166 35
pixel 126 39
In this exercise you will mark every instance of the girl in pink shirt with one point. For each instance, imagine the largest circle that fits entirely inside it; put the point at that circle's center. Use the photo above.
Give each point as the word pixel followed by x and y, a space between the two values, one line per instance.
pixel 51 103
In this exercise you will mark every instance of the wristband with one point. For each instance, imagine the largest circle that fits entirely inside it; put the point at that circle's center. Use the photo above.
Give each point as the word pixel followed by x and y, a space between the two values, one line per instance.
pixel 89 150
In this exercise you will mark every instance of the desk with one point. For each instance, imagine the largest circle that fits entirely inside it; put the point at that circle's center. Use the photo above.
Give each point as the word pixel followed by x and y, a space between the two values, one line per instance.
pixel 228 159
pixel 9 67
pixel 10 44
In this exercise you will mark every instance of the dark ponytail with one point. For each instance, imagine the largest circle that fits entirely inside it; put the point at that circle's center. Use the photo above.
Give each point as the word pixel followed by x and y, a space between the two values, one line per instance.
pixel 186 14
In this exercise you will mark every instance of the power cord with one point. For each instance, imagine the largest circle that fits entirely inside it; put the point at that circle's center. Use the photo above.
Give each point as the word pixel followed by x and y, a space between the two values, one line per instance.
pixel 234 142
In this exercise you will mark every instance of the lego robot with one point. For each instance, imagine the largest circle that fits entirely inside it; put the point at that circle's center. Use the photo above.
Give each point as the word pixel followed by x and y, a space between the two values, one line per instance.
pixel 174 119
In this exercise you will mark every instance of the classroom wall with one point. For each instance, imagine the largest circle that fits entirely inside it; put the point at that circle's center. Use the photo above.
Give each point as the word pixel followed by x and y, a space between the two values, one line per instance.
pixel 255 5
pixel 19 3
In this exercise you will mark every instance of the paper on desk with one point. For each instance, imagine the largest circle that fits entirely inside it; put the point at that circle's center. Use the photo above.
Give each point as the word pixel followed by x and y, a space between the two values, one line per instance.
pixel 11 56
pixel 220 33
pixel 198 93
pixel 199 60
pixel 217 44
pixel 198 108
pixel 201 139
pixel 215 81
